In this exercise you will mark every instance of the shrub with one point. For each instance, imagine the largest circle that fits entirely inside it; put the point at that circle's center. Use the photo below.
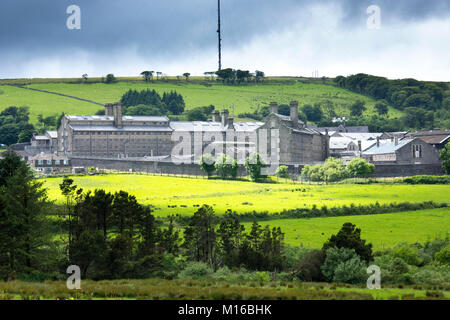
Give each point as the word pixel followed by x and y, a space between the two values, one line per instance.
pixel 343 265
pixel 408 253
pixel 350 271
pixel 350 237
pixel 308 267
pixel 424 179
pixel 195 270
pixel 430 274
pixel 443 256
pixel 283 172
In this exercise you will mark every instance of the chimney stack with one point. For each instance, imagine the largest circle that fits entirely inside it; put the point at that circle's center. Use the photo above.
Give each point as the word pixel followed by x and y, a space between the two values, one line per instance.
pixel 230 122
pixel 117 111
pixel 215 116
pixel 378 142
pixel 224 117
pixel 359 146
pixel 109 109
pixel 294 113
pixel 396 140
pixel 273 107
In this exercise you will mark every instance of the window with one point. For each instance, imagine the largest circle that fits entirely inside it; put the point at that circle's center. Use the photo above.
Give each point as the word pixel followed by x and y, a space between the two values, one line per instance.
pixel 66 162
pixel 417 151
pixel 49 162
pixel 57 162
pixel 41 162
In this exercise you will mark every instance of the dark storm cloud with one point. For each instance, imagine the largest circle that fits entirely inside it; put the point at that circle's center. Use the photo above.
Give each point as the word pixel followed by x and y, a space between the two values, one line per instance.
pixel 168 29
pixel 161 26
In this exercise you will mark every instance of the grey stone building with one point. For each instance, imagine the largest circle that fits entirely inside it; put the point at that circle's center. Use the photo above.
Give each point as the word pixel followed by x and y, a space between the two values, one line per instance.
pixel 407 151
pixel 298 143
pixel 114 136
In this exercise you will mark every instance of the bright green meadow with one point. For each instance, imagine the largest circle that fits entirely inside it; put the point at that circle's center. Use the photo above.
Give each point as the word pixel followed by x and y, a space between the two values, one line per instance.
pixel 243 196
pixel 381 230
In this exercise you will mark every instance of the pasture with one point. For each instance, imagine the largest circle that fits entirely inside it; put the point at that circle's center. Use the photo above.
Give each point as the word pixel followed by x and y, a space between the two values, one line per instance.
pixel 382 230
pixel 176 195
pixel 245 98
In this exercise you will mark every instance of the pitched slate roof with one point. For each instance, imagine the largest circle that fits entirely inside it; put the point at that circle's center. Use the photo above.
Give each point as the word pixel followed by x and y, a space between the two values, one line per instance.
pixel 386 147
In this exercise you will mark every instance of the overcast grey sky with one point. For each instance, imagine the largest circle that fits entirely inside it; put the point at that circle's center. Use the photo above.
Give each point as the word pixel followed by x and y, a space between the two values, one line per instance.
pixel 280 37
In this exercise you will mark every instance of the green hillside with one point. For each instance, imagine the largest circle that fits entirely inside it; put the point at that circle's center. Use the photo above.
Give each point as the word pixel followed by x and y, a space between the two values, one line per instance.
pixel 245 98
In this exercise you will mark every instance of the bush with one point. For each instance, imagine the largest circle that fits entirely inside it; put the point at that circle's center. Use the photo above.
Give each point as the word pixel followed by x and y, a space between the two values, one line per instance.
pixel 309 266
pixel 350 237
pixel 407 253
pixel 350 271
pixel 443 256
pixel 195 270
pixel 434 275
pixel 424 179
pixel 343 265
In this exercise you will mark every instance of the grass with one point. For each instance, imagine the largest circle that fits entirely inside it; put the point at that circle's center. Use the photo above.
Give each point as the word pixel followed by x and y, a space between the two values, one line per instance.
pixel 200 290
pixel 241 196
pixel 245 98
pixel 43 103
pixel 382 230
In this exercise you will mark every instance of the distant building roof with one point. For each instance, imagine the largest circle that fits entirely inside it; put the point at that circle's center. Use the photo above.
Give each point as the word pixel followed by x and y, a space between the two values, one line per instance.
pixel 435 139
pixel 386 147
pixel 340 142
pixel 434 132
pixel 360 136
pixel 344 129
pixel 40 138
pixel 190 126
pixel 111 118
pixel 115 129
pixel 52 134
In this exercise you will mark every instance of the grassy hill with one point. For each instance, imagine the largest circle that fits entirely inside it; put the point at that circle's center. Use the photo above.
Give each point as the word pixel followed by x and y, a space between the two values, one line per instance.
pixel 245 98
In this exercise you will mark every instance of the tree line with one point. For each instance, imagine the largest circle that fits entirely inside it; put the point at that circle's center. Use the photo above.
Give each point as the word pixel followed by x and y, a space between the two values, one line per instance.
pixel 15 126
pixel 425 103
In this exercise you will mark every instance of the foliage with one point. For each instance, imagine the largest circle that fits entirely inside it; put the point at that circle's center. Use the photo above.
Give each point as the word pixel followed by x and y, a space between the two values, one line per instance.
pixel 23 223
pixel 312 113
pixel 226 167
pixel 207 164
pixel 424 179
pixel 350 237
pixel 283 172
pixel 343 265
pixel 445 158
pixel 309 266
pixel 14 126
pixel 357 108
pixel 359 167
pixel 254 166
pixel 195 270
pixel 110 78
pixel 331 171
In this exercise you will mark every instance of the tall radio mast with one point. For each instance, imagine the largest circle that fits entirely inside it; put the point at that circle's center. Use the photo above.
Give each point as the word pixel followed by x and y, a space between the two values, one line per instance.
pixel 219 32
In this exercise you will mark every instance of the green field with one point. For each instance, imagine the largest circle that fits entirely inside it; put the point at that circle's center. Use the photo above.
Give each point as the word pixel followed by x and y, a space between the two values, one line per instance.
pixel 242 196
pixel 245 98
pixel 43 103
pixel 382 230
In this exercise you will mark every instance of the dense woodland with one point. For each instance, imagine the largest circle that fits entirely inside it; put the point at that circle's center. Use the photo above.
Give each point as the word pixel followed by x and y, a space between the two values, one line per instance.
pixel 426 104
